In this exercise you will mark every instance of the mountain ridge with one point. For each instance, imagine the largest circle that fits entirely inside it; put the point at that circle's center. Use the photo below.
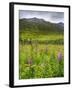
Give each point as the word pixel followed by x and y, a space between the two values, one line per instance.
pixel 40 19
pixel 40 24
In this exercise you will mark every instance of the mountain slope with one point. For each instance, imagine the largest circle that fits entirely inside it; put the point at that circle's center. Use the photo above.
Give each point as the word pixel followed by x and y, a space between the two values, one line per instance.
pixel 40 25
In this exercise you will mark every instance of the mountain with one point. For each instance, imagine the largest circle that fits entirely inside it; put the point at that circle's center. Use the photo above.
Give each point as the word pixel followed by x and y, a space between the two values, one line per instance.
pixel 61 24
pixel 40 25
pixel 35 20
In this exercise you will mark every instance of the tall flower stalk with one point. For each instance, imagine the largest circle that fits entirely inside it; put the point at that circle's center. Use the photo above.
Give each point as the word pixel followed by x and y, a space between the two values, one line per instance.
pixel 59 56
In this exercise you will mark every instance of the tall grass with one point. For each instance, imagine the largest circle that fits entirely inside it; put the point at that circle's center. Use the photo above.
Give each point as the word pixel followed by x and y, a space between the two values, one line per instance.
pixel 40 60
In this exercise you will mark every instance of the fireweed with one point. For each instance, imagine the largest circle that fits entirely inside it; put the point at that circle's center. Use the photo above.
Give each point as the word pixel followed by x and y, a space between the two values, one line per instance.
pixel 42 62
pixel 59 56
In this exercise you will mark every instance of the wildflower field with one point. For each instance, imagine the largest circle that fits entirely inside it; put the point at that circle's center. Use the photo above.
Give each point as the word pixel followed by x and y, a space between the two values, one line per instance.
pixel 41 45
pixel 41 55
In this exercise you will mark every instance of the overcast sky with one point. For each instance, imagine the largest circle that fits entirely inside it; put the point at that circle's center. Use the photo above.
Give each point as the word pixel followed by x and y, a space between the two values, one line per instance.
pixel 55 17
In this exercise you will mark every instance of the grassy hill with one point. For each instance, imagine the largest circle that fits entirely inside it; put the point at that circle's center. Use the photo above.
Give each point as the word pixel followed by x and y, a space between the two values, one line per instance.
pixel 41 30
pixel 40 26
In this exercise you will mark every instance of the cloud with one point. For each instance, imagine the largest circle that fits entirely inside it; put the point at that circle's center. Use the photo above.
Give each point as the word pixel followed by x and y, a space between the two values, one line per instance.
pixel 46 15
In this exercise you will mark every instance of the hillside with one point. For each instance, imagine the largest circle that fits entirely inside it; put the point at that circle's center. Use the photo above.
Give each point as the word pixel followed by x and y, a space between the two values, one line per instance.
pixel 40 26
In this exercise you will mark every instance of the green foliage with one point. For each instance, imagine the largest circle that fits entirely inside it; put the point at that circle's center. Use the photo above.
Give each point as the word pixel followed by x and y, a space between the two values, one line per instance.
pixel 44 62
pixel 39 44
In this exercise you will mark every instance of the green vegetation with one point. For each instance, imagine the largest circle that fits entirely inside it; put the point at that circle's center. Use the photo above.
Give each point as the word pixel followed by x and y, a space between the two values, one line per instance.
pixel 41 49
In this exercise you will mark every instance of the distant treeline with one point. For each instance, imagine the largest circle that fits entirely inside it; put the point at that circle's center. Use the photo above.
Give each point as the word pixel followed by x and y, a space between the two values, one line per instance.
pixel 58 41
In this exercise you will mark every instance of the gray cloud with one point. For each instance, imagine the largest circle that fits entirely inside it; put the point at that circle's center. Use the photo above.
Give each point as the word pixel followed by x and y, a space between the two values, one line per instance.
pixel 46 15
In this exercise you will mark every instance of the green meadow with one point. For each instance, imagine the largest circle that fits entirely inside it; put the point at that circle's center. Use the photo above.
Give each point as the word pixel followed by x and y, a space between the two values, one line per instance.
pixel 41 50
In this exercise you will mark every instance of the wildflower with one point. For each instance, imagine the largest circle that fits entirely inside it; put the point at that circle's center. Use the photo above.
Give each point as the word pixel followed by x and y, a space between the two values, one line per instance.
pixel 59 56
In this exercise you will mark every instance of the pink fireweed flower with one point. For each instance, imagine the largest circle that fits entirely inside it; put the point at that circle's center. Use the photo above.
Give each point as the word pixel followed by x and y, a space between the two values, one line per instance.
pixel 59 56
